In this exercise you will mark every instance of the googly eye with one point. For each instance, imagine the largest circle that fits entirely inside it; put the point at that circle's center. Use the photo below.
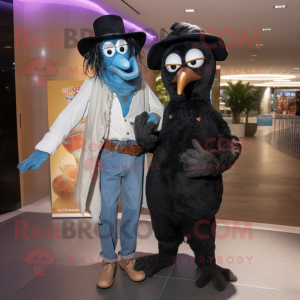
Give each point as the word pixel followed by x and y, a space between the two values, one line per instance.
pixel 172 68
pixel 121 46
pixel 173 62
pixel 194 58
pixel 108 49
pixel 196 63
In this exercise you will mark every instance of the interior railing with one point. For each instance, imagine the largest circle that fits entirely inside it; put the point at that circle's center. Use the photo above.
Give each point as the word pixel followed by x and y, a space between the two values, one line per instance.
pixel 286 134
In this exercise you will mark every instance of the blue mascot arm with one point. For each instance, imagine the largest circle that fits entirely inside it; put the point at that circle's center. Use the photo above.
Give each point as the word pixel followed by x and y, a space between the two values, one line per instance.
pixel 153 118
pixel 34 161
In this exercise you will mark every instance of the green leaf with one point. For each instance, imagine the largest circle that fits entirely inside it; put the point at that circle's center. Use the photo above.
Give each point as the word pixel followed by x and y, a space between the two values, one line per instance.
pixel 241 98
pixel 161 92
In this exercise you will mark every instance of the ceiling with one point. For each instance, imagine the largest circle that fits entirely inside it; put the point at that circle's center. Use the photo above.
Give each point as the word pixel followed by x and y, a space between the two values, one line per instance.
pixel 280 52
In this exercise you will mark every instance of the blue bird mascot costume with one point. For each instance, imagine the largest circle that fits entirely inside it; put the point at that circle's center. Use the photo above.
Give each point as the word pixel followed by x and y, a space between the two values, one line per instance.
pixel 110 100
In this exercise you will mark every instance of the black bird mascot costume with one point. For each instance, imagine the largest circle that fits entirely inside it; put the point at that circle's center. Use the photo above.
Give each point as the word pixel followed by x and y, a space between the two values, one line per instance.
pixel 195 146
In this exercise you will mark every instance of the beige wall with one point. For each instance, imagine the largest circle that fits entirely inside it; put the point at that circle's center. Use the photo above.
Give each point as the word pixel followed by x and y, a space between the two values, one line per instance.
pixel 43 21
pixel 265 100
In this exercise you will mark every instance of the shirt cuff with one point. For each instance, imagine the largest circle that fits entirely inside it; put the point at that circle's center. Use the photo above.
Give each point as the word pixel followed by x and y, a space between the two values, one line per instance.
pixel 48 144
pixel 160 122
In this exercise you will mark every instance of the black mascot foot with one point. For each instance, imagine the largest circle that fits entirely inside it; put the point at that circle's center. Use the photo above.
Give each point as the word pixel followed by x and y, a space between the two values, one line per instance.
pixel 151 264
pixel 218 275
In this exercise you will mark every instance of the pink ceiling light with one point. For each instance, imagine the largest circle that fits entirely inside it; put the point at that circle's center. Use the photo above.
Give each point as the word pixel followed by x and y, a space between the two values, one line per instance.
pixel 87 4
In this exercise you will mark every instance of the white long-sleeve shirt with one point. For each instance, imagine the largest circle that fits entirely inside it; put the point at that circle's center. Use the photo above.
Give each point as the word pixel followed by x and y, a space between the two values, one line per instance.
pixel 123 128
pixel 120 128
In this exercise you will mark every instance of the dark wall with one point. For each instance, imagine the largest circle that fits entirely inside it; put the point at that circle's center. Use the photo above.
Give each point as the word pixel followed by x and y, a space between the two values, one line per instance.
pixel 10 198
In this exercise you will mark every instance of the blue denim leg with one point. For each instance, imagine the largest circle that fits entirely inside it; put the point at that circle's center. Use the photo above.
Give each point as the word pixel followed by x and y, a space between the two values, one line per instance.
pixel 117 167
pixel 132 197
pixel 110 186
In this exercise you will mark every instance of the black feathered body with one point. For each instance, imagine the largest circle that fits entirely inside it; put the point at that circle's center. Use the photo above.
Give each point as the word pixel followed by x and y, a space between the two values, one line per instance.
pixel 170 193
pixel 182 201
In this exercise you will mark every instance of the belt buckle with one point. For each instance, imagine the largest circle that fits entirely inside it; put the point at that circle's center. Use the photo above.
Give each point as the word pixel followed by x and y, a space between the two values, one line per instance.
pixel 120 148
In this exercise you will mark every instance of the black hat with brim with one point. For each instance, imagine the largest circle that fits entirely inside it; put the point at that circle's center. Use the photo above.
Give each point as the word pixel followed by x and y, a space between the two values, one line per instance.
pixel 108 26
pixel 214 43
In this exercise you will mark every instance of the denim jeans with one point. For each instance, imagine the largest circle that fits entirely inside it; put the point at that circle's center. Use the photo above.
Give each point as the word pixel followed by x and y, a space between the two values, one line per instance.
pixel 119 169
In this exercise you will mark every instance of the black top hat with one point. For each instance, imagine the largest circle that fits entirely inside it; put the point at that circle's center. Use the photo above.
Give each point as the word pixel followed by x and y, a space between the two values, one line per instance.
pixel 183 32
pixel 108 26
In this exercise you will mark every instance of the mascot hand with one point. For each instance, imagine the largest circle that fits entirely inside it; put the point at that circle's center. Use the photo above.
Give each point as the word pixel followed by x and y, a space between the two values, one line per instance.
pixel 34 161
pixel 144 132
pixel 153 118
pixel 200 162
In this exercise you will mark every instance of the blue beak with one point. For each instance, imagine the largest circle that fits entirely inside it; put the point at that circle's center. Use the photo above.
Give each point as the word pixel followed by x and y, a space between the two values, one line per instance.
pixel 126 69
pixel 121 62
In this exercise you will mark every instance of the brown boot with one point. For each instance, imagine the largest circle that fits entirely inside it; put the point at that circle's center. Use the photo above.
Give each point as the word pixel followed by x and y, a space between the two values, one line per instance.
pixel 106 277
pixel 127 265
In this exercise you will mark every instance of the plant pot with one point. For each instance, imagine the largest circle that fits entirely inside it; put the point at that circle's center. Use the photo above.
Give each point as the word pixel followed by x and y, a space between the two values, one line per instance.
pixel 237 129
pixel 250 129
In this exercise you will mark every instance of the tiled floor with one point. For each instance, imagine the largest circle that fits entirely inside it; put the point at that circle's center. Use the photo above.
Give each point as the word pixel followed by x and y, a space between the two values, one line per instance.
pixel 40 206
pixel 263 186
pixel 267 264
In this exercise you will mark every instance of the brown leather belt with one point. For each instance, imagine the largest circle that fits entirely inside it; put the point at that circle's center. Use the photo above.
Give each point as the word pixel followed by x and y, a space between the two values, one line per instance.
pixel 126 149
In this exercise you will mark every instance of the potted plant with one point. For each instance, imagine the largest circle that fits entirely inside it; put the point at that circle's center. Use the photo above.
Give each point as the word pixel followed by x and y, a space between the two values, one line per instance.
pixel 252 104
pixel 240 98
pixel 161 92
pixel 232 95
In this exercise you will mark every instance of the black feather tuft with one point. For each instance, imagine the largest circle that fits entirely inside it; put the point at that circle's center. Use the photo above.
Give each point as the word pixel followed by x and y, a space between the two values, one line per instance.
pixel 181 28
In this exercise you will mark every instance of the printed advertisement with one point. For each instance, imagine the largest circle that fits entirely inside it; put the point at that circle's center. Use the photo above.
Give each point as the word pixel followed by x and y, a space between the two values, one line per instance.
pixel 285 102
pixel 264 120
pixel 64 163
